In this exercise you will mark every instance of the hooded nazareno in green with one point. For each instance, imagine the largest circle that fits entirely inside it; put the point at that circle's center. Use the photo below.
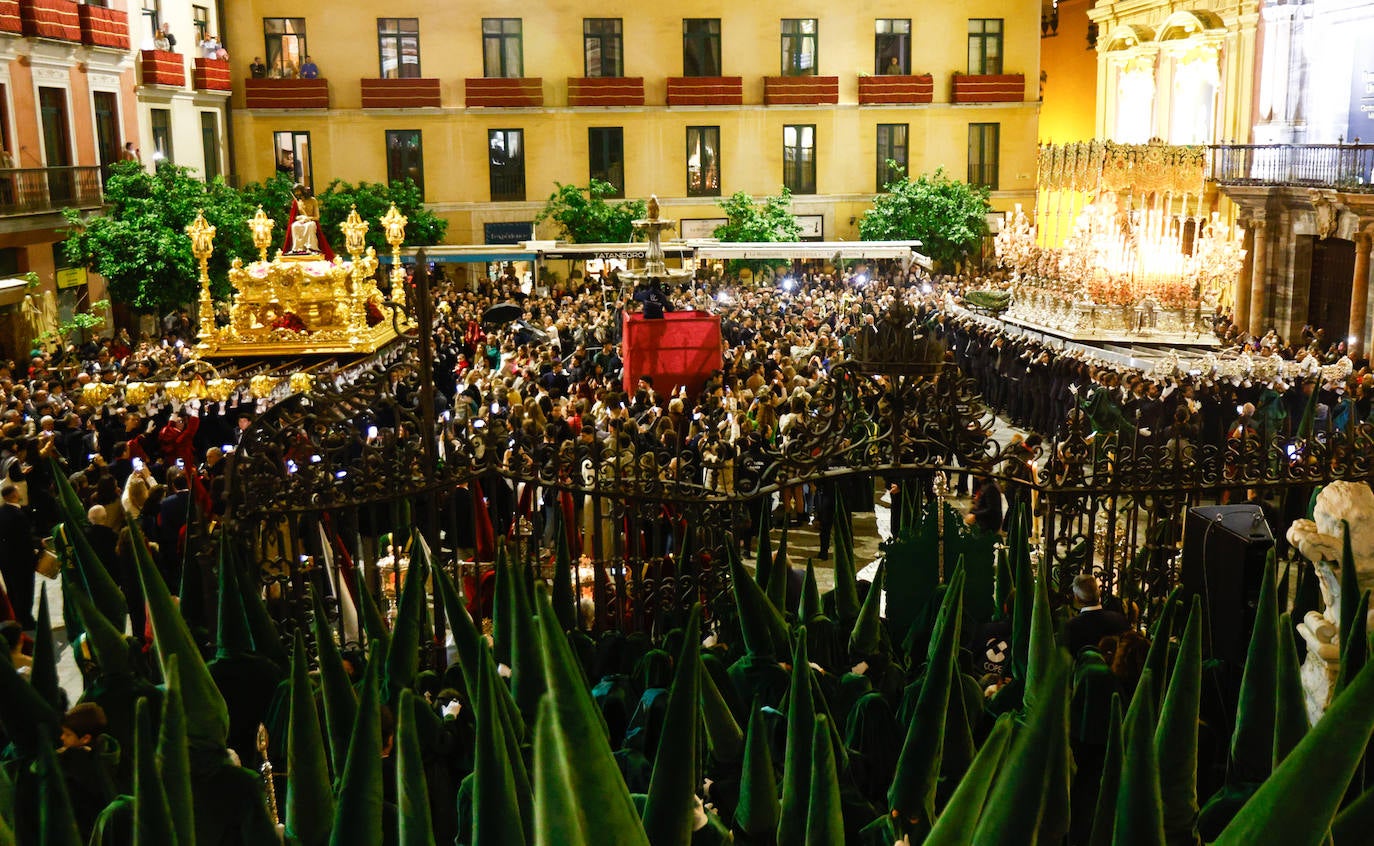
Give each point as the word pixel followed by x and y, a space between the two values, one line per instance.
pixel 207 716
pixel 412 791
pixel 912 794
pixel 43 675
pixel 496 804
pixel 607 813
pixel 866 636
pixel 954 826
pixel 1176 738
pixel 796 773
pixel 1139 805
pixel 1104 814
pixel 340 701
pixel 1290 711
pixel 174 758
pixel 152 815
pixel 758 811
pixel 824 820
pixel 358 811
pixel 309 795
pixel 670 805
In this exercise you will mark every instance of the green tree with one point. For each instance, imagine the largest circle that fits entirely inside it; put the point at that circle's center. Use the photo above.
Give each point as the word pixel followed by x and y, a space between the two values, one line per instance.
pixel 140 245
pixel 584 217
pixel 948 217
pixel 746 221
pixel 424 228
pixel 768 219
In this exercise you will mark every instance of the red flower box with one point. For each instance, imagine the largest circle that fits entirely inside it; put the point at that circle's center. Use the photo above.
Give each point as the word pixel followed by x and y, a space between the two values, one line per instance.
pixel 211 75
pixel 605 91
pixel 161 67
pixel 10 20
pixel 903 89
pixel 57 19
pixel 101 27
pixel 989 88
pixel 516 93
pixel 286 93
pixel 801 90
pixel 401 94
pixel 705 91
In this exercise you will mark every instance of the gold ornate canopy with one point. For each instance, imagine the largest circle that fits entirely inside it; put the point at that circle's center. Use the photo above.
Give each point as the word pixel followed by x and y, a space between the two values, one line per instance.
pixel 1092 166
pixel 300 304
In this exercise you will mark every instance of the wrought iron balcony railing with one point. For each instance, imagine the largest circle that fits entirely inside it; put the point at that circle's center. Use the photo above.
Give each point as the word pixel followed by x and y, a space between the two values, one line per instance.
pixel 48 189
pixel 1345 167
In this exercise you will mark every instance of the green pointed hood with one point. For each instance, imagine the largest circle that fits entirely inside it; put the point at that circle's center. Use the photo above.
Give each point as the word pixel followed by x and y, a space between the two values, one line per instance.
pixel 1176 737
pixel 912 794
pixel 608 816
pixel 7 834
pixel 527 669
pixel 1104 814
pixel 811 607
pixel 233 635
pixel 1157 658
pixel 1042 648
pixel 1016 802
pixel 403 651
pixel 1313 777
pixel 191 595
pixel 108 646
pixel 152 815
pixel 763 555
pixel 1054 821
pixel 465 634
pixel 56 822
pixel 207 716
pixel 846 581
pixel 1002 584
pixel 758 810
pixel 340 700
pixel 669 810
pixel 759 622
pixel 267 640
pixel 503 604
pixel 1023 603
pixel 796 773
pixel 564 597
pixel 954 826
pixel 174 758
pixel 412 791
pixel 309 793
pixel 496 817
pixel 558 815
pixel 1355 821
pixel 776 585
pixel 43 675
pixel 1309 414
pixel 358 809
pixel 373 624
pixel 1290 708
pixel 1139 803
pixel 1252 742
pixel 70 536
pixel 1354 614
pixel 1355 653
pixel 866 636
pixel 723 736
pixel 824 820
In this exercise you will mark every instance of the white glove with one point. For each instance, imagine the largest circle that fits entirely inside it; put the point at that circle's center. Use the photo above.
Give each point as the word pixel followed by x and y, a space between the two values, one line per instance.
pixel 1144 431
pixel 452 709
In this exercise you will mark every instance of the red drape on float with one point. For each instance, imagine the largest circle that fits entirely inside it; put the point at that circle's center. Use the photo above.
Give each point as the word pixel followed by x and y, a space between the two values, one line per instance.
pixel 681 349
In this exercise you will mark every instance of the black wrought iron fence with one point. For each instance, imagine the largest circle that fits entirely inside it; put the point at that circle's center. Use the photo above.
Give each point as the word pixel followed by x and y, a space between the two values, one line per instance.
pixel 1347 167
pixel 49 189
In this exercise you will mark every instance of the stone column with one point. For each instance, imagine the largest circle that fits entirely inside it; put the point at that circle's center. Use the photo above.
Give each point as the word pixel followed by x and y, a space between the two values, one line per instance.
pixel 1241 315
pixel 1359 292
pixel 1259 284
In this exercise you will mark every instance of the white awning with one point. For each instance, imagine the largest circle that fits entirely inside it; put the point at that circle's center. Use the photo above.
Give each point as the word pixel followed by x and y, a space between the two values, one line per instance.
pixel 903 251
pixel 12 290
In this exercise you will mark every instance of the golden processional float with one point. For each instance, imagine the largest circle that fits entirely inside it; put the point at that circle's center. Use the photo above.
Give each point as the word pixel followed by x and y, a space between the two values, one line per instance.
pixel 300 302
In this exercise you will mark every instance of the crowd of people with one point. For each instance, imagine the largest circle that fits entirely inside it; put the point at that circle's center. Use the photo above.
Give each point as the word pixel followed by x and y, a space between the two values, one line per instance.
pixel 785 660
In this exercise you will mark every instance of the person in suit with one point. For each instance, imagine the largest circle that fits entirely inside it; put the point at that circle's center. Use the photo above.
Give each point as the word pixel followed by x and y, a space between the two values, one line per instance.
pixel 21 554
pixel 1093 622
pixel 171 519
pixel 986 511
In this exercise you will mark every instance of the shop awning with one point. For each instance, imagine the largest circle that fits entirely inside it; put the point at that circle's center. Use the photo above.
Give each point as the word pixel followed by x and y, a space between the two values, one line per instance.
pixel 12 290
pixel 904 251
pixel 584 252
pixel 474 254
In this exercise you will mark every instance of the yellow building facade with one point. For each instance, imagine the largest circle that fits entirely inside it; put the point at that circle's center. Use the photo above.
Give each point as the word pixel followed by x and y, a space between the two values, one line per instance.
pixel 711 98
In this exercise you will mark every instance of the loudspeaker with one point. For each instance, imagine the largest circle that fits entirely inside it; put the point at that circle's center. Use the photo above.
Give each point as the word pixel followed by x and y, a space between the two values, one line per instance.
pixel 1224 550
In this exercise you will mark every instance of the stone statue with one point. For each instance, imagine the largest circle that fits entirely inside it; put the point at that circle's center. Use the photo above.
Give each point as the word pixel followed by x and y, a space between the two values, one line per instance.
pixel 1320 541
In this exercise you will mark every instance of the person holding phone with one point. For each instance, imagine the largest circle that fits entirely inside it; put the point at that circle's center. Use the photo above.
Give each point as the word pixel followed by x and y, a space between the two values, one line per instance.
pixel 177 438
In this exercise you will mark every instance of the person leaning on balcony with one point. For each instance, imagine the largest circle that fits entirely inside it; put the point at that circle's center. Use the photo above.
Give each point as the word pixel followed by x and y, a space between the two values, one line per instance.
pixel 257 70
pixel 130 153
pixel 309 70
pixel 209 47
pixel 162 43
pixel 166 32
pixel 894 67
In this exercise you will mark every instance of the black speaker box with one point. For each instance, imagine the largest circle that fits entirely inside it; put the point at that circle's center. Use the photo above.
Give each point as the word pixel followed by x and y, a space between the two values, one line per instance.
pixel 1224 550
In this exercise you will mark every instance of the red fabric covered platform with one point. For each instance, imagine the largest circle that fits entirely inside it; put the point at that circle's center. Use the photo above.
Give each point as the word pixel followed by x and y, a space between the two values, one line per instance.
pixel 681 349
